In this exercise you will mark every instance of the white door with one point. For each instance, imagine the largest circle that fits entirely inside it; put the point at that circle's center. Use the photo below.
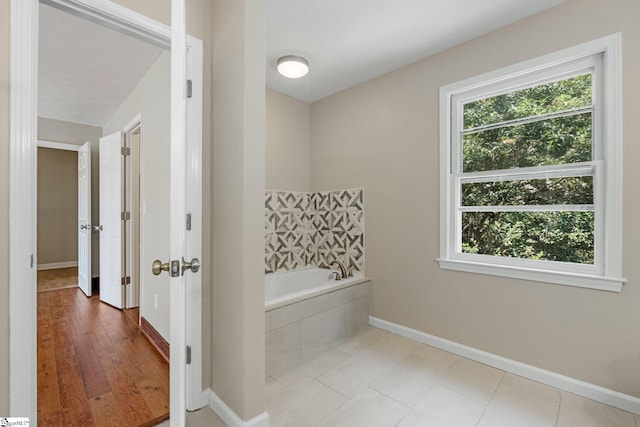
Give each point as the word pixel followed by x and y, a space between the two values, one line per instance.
pixel 177 232
pixel 111 289
pixel 84 218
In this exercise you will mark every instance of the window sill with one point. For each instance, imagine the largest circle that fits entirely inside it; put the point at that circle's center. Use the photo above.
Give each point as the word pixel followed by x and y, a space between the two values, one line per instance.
pixel 612 284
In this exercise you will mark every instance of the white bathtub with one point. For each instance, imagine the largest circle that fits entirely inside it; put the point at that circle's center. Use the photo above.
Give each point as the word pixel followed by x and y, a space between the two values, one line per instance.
pixel 288 287
pixel 306 311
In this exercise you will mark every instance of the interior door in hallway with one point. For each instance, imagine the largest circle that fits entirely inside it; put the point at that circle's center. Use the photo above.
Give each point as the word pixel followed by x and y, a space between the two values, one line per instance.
pixel 111 289
pixel 84 218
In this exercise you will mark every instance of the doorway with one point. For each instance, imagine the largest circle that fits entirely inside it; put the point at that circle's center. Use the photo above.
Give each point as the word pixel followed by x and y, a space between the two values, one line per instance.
pixel 105 368
pixel 58 254
pixel 22 191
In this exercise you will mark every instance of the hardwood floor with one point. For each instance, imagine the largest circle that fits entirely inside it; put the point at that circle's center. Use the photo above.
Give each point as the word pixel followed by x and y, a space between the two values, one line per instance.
pixel 57 278
pixel 95 367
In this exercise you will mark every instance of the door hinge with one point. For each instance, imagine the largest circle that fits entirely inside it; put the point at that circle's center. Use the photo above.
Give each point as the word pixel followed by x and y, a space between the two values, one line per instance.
pixel 31 264
pixel 126 280
pixel 188 355
pixel 125 151
pixel 125 216
pixel 189 89
pixel 188 222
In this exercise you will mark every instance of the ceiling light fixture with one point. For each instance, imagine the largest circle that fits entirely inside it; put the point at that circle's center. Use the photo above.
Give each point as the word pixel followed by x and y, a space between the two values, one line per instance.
pixel 293 67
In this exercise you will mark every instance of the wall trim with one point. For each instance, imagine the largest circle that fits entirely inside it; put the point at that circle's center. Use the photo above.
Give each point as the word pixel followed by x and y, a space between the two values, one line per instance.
pixel 58 145
pixel 232 419
pixel 591 391
pixel 155 338
pixel 22 209
pixel 54 265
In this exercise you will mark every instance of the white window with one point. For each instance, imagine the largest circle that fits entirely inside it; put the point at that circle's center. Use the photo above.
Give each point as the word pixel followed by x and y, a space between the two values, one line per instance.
pixel 531 170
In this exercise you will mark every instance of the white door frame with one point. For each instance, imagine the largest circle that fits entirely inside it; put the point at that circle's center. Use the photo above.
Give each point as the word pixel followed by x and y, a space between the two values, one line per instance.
pixel 132 293
pixel 63 146
pixel 23 188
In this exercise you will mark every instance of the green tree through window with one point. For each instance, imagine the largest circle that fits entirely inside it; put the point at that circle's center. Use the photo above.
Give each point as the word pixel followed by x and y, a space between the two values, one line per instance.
pixel 530 216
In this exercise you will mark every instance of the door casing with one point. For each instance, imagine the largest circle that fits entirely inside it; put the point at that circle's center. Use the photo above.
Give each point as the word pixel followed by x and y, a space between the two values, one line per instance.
pixel 23 190
pixel 78 148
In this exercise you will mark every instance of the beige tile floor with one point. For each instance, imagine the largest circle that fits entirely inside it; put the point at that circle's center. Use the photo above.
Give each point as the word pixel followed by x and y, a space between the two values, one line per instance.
pixel 376 378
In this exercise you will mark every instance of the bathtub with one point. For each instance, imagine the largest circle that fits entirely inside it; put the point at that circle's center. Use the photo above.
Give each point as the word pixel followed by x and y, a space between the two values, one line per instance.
pixel 306 311
pixel 287 287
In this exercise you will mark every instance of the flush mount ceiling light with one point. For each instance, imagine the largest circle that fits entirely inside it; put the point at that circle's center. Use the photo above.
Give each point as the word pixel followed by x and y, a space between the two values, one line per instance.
pixel 293 67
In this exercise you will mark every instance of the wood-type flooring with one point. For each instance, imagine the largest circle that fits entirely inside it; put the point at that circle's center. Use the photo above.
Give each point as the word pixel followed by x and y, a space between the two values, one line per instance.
pixel 57 278
pixel 95 367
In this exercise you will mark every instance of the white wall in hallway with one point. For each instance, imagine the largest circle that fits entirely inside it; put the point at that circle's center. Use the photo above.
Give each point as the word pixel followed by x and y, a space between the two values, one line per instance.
pixel 151 98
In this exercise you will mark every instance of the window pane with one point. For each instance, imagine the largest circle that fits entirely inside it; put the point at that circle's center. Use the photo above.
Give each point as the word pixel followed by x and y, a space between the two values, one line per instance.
pixel 547 98
pixel 575 190
pixel 554 141
pixel 550 236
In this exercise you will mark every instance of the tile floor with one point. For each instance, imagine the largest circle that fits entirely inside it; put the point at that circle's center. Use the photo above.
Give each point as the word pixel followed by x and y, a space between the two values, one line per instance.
pixel 376 378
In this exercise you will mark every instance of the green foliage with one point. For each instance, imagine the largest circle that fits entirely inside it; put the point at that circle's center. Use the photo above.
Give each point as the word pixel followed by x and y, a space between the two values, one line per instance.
pixel 555 236
pixel 550 236
pixel 547 98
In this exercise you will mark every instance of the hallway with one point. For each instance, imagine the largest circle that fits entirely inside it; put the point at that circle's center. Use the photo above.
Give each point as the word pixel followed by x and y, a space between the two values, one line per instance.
pixel 95 367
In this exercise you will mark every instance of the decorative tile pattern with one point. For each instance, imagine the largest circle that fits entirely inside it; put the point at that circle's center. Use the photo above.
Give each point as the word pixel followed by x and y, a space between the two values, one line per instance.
pixel 286 230
pixel 314 229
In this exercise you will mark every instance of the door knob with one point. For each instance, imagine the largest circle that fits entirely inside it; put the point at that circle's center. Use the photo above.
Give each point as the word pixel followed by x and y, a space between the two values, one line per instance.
pixel 194 265
pixel 84 227
pixel 158 267
pixel 97 228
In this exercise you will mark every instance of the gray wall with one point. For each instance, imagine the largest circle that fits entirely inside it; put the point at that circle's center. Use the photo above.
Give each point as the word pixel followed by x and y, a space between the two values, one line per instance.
pixel 288 149
pixel 238 177
pixel 151 98
pixel 383 135
pixel 57 206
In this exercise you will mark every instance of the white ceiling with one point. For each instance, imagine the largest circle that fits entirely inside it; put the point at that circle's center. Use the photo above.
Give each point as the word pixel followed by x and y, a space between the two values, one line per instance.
pixel 350 41
pixel 85 70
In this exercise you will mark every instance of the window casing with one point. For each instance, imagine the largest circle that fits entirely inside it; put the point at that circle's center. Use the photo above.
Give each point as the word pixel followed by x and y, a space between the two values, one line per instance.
pixel 595 262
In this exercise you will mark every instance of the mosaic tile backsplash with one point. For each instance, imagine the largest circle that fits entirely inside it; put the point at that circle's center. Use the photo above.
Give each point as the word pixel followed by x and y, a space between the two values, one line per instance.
pixel 314 229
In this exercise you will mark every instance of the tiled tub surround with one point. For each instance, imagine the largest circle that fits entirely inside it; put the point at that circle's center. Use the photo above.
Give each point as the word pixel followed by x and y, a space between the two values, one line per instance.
pixel 300 326
pixel 314 229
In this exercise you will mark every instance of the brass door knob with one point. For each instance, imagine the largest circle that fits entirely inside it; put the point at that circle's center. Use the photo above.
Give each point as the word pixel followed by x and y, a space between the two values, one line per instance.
pixel 194 265
pixel 158 267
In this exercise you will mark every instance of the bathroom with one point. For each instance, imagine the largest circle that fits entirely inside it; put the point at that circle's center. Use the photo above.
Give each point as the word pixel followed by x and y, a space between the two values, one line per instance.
pixel 382 136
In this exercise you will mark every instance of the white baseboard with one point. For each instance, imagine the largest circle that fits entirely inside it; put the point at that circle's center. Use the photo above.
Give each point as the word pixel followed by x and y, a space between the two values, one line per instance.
pixel 591 391
pixel 54 265
pixel 230 418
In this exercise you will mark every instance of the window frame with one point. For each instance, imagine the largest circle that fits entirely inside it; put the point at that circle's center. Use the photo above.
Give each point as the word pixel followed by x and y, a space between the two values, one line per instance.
pixel 603 57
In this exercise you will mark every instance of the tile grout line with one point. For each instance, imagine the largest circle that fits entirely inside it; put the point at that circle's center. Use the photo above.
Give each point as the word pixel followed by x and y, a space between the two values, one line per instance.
pixel 493 395
pixel 559 408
